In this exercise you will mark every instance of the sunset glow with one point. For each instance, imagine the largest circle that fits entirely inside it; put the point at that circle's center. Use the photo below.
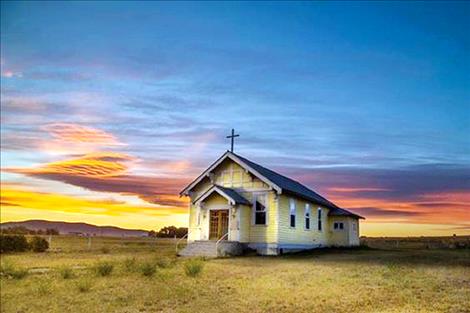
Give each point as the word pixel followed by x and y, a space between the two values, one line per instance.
pixel 108 114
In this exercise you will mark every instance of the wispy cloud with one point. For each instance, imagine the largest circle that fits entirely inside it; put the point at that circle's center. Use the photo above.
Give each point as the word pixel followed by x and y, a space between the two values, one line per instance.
pixel 74 133
pixel 107 172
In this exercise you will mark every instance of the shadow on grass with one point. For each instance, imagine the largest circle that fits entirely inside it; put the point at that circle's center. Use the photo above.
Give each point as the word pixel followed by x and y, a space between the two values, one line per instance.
pixel 365 255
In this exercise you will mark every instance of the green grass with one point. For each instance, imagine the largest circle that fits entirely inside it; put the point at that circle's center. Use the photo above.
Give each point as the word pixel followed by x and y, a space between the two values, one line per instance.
pixel 333 280
pixel 104 269
pixel 148 269
pixel 193 267
pixel 66 272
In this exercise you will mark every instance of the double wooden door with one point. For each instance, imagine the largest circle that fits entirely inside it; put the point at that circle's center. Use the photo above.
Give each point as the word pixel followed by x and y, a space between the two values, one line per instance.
pixel 218 226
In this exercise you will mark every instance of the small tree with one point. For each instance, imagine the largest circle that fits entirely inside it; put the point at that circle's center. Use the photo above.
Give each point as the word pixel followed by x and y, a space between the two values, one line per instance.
pixel 172 231
pixel 13 243
pixel 39 244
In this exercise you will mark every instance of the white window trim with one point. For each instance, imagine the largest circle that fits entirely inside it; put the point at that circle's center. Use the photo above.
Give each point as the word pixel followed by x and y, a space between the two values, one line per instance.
pixel 292 209
pixel 253 208
pixel 308 210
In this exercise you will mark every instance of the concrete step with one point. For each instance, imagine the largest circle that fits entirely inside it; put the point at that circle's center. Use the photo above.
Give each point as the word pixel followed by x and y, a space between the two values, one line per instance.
pixel 208 248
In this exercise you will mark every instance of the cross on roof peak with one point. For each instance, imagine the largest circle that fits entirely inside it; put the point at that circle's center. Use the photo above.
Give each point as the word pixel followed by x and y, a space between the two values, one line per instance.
pixel 232 137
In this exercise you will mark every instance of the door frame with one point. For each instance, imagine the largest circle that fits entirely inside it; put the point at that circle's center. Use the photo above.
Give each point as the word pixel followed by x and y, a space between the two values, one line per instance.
pixel 219 208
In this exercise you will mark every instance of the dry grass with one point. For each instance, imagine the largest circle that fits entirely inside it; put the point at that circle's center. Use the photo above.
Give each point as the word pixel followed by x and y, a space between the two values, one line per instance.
pixel 321 281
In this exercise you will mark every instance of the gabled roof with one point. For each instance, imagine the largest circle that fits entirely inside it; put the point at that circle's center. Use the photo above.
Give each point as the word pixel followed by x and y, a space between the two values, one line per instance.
pixel 278 182
pixel 231 195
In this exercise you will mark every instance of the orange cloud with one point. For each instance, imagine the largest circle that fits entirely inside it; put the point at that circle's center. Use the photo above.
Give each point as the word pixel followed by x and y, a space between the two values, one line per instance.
pixel 74 133
pixel 68 138
pixel 107 172
pixel 89 165
pixel 348 189
pixel 451 208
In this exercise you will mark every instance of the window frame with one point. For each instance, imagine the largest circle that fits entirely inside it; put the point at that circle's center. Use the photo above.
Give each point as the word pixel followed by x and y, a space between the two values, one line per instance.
pixel 307 216
pixel 292 212
pixel 319 219
pixel 338 226
pixel 266 208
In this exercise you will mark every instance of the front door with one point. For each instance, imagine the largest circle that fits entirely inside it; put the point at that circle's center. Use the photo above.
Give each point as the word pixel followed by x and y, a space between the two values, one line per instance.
pixel 218 226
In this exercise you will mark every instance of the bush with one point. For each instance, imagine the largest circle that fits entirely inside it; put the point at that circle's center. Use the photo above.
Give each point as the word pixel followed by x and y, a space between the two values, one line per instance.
pixel 9 270
pixel 84 284
pixel 13 243
pixel 39 244
pixel 148 269
pixel 129 264
pixel 164 262
pixel 104 269
pixel 193 267
pixel 105 250
pixel 66 272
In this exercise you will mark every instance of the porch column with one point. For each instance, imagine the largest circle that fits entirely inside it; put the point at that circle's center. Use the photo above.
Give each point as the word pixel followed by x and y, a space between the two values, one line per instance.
pixel 234 226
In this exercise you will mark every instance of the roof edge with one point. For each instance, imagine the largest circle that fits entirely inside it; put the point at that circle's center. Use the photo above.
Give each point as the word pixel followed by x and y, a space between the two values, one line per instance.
pixel 236 159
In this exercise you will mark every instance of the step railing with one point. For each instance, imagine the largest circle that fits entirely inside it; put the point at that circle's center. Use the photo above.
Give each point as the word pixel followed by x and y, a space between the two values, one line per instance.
pixel 179 240
pixel 217 244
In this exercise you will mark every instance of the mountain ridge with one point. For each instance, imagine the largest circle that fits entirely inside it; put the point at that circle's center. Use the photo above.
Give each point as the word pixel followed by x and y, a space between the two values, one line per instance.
pixel 65 228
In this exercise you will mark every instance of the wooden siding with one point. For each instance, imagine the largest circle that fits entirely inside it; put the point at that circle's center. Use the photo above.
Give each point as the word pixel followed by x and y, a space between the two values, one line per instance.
pixel 299 235
pixel 229 174
pixel 349 236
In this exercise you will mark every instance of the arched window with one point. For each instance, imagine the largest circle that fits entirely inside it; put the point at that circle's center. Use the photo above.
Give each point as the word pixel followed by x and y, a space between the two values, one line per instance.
pixel 292 212
pixel 307 216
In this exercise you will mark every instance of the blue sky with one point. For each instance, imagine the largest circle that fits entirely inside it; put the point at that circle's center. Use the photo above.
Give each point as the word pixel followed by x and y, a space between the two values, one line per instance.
pixel 365 92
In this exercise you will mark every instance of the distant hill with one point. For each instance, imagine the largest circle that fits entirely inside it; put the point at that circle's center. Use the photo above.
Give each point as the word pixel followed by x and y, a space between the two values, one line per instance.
pixel 66 228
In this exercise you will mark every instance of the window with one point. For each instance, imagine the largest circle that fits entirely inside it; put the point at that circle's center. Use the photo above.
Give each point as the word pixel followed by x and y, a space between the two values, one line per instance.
pixel 338 225
pixel 259 208
pixel 292 210
pixel 319 220
pixel 307 216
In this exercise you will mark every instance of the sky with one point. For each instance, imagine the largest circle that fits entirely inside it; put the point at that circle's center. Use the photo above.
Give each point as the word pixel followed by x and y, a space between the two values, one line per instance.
pixel 108 109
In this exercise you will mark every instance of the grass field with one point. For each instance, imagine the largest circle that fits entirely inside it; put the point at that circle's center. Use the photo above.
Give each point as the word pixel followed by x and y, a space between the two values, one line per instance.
pixel 334 280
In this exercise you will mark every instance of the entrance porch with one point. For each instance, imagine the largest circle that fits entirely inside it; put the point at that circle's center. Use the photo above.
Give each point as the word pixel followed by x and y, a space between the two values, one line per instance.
pixel 219 214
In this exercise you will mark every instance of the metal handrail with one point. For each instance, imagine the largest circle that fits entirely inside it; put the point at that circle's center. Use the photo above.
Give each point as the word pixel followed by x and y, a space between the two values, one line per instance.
pixel 217 244
pixel 178 242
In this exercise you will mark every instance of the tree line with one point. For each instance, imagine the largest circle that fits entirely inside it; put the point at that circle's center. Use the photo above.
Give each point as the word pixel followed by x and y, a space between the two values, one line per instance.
pixel 21 230
pixel 165 232
pixel 169 232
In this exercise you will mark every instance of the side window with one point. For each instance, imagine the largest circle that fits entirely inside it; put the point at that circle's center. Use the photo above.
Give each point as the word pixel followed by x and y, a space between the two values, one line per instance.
pixel 260 209
pixel 319 219
pixel 292 211
pixel 338 226
pixel 307 216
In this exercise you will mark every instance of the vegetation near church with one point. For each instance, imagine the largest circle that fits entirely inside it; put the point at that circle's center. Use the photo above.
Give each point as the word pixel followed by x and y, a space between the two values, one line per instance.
pixel 143 275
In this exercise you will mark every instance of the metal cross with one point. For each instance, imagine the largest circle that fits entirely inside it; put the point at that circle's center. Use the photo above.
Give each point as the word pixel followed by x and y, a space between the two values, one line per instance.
pixel 233 137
